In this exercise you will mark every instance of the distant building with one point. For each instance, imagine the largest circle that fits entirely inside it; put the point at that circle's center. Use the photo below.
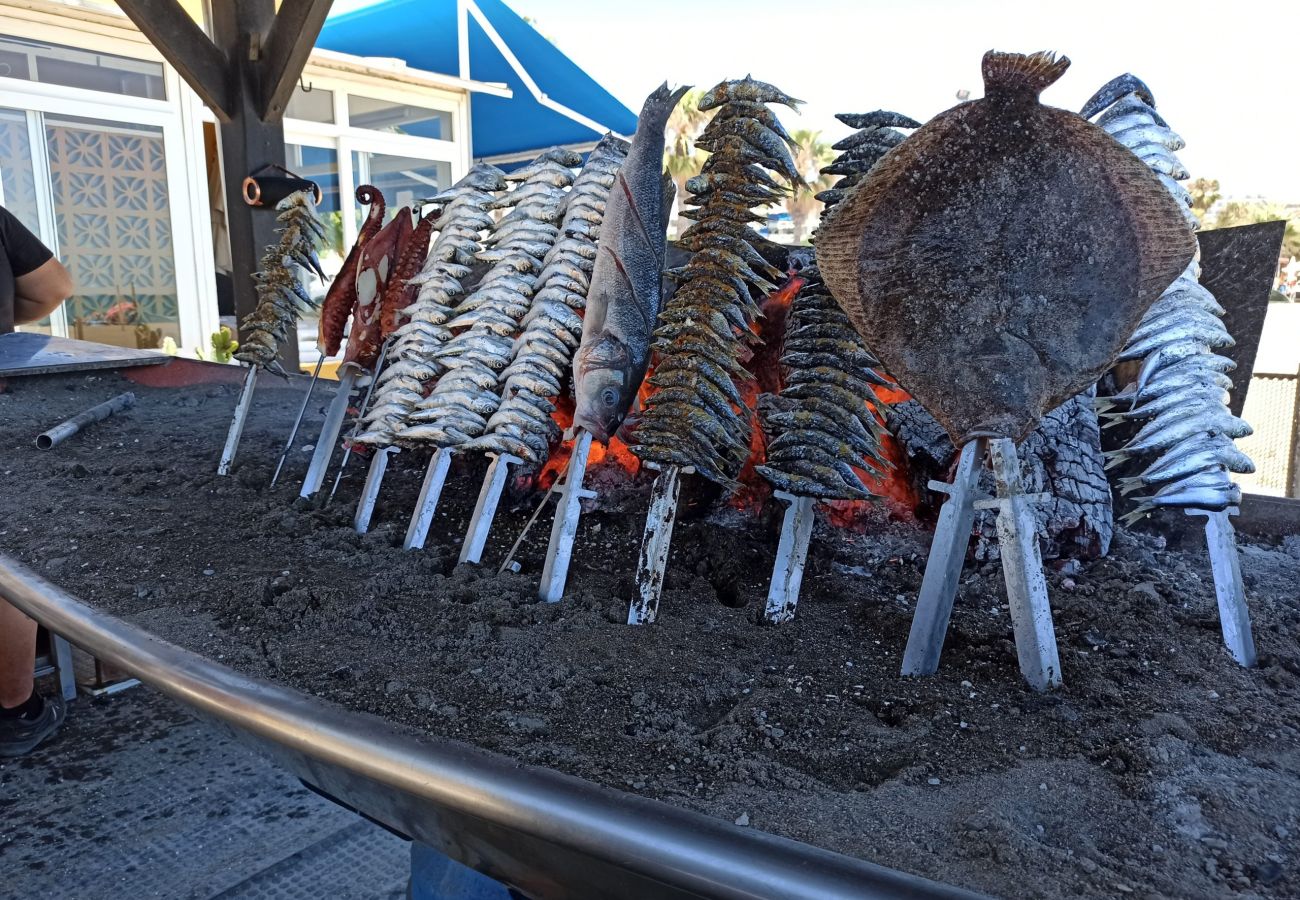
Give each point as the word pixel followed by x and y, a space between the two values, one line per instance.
pixel 108 155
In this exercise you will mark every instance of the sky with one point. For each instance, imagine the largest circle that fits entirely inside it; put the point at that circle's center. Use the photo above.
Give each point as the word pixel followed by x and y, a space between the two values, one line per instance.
pixel 1225 74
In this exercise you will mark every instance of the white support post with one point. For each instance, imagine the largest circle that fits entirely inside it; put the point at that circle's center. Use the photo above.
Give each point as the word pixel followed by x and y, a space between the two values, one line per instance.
pixel 791 555
pixel 370 490
pixel 1225 563
pixel 485 510
pixel 1022 567
pixel 237 423
pixel 655 544
pixel 559 551
pixel 427 503
pixel 329 432
pixel 943 566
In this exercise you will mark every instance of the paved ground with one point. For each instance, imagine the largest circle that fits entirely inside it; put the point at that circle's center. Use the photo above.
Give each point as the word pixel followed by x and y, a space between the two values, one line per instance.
pixel 135 798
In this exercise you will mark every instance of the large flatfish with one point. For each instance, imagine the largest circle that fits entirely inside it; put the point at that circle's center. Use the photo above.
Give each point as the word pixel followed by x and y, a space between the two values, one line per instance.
pixel 997 259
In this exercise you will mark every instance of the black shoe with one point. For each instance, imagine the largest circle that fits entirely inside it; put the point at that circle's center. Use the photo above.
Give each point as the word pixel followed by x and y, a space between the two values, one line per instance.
pixel 19 736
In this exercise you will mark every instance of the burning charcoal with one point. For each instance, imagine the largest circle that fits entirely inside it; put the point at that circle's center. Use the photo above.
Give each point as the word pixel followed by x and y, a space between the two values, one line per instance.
pixel 281 298
pixel 697 416
pixel 421 325
pixel 485 321
pixel 1181 391
pixel 542 354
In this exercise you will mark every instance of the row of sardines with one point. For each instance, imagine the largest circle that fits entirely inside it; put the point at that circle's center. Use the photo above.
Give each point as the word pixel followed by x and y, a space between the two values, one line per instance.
pixel 508 294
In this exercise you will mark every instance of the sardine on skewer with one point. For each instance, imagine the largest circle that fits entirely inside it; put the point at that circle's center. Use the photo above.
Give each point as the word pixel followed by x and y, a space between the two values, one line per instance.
pixel 1181 391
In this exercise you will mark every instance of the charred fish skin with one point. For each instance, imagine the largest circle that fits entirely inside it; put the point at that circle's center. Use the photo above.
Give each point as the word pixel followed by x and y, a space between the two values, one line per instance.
pixel 625 291
pixel 827 403
pixel 280 297
pixel 698 417
pixel 990 319
pixel 1181 389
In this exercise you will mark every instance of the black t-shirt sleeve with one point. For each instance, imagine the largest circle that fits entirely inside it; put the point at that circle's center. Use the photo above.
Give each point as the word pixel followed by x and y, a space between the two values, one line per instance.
pixel 25 251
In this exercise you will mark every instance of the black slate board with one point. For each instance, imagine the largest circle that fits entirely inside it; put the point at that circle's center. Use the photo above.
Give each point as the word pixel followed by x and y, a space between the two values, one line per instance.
pixel 1237 267
pixel 23 353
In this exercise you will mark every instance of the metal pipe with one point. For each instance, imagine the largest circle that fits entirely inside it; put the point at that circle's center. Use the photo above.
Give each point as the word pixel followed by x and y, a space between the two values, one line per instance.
pixel 545 833
pixel 61 432
pixel 237 423
pixel 293 432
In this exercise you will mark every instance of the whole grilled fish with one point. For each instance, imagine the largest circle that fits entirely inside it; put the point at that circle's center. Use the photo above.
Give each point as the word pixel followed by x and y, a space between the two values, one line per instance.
pixel 997 259
pixel 625 293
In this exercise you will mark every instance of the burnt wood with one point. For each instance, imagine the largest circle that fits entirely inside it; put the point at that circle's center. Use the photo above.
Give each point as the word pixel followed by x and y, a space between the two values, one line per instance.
pixel 184 45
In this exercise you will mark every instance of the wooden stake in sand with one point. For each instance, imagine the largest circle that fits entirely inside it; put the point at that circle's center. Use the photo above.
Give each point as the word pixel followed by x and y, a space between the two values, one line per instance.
pixel 329 432
pixel 559 551
pixel 370 490
pixel 237 423
pixel 1225 563
pixel 656 543
pixel 485 510
pixel 1022 567
pixel 791 555
pixel 427 503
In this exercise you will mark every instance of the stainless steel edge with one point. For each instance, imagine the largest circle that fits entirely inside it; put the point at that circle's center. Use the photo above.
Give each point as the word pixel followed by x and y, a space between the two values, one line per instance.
pixel 550 835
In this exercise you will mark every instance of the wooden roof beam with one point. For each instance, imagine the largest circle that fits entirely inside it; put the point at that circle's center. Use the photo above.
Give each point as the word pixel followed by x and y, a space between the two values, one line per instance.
pixel 285 51
pixel 184 45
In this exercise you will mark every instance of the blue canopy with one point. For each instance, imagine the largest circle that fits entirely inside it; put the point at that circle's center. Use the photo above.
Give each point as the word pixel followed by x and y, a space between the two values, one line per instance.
pixel 554 102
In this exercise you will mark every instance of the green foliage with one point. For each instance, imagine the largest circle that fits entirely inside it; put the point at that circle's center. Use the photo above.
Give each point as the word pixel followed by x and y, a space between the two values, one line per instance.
pixel 1249 212
pixel 224 345
pixel 811 154
pixel 1205 193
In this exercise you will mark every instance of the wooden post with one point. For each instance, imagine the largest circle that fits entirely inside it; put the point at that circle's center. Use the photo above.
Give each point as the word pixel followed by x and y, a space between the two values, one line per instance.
pixel 245 73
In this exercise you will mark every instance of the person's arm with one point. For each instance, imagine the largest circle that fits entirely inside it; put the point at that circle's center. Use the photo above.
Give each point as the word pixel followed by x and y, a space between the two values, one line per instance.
pixel 39 292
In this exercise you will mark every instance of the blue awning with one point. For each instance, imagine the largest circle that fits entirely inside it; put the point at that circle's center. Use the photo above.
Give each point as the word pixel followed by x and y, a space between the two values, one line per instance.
pixel 554 102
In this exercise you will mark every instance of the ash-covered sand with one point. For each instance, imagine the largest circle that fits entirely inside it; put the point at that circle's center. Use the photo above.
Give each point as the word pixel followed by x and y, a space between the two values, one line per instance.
pixel 1159 769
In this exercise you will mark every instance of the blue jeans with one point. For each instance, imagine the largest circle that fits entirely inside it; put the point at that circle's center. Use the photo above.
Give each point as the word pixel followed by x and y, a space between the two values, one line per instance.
pixel 438 877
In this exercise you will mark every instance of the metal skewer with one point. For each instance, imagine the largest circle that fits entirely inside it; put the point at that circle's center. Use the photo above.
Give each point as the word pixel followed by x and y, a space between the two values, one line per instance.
pixel 1229 591
pixel 329 432
pixel 293 432
pixel 559 550
pixel 427 503
pixel 237 423
pixel 653 562
pixel 485 510
pixel 508 562
pixel 791 555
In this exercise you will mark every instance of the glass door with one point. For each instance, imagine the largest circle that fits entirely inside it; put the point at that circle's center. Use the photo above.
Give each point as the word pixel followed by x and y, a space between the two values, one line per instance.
pixel 112 213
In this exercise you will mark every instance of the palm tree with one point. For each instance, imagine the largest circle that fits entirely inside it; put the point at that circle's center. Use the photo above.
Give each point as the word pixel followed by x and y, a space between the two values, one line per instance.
pixel 810 155
pixel 681 158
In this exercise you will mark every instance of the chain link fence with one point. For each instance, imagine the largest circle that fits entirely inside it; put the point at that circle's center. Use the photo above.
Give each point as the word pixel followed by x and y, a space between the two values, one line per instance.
pixel 1273 410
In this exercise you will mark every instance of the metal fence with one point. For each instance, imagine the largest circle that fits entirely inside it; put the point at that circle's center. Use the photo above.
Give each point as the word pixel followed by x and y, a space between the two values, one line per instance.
pixel 1273 410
